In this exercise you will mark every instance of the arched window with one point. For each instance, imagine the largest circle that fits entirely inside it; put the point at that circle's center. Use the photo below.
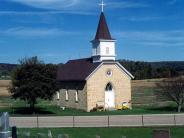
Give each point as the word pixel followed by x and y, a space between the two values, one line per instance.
pixel 108 87
pixel 76 96
pixel 66 95
pixel 58 95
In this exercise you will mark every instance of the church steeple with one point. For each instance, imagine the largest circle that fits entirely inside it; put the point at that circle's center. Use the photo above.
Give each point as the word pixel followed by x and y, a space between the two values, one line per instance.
pixel 103 45
pixel 103 30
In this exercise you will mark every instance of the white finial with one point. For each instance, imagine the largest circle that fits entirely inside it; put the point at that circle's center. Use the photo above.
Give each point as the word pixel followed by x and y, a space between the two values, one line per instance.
pixel 102 4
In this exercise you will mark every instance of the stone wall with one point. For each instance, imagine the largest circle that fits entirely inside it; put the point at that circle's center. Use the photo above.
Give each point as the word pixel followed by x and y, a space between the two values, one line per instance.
pixel 72 87
pixel 98 81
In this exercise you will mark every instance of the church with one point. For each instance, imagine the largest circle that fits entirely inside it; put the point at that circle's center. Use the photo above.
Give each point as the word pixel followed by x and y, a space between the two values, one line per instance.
pixel 97 81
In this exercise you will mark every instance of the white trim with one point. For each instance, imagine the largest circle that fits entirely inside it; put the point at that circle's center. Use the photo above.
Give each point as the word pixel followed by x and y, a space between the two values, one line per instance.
pixel 104 55
pixel 117 63
pixel 76 96
pixel 103 40
pixel 66 95
pixel 126 71
pixel 93 71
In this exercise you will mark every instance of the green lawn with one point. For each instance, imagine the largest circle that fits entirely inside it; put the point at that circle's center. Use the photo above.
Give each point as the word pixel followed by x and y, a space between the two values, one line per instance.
pixel 19 108
pixel 54 110
pixel 176 132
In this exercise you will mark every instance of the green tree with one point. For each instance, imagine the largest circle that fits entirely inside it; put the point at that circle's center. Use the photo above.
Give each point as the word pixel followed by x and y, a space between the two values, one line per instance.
pixel 32 80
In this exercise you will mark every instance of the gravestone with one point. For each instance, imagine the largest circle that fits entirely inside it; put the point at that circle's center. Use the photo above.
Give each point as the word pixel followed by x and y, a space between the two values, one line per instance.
pixel 27 134
pixel 123 136
pixel 60 136
pixel 161 134
pixel 4 126
pixel 97 136
pixel 49 134
pixel 65 136
pixel 41 135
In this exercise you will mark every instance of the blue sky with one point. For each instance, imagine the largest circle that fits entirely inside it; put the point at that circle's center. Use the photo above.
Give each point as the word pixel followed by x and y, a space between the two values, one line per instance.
pixel 60 30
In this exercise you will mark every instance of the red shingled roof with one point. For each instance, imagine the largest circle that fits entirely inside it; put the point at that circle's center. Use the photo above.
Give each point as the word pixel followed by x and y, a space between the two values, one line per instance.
pixel 103 30
pixel 76 70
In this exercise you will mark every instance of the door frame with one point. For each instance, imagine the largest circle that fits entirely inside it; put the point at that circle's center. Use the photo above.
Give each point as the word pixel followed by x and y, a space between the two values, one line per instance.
pixel 113 96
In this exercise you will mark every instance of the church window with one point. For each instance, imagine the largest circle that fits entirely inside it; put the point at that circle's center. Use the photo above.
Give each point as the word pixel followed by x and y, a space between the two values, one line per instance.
pixel 107 50
pixel 109 87
pixel 96 51
pixel 76 96
pixel 66 95
pixel 58 95
pixel 109 72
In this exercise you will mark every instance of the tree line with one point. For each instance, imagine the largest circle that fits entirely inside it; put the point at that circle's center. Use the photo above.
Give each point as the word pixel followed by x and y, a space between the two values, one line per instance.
pixel 149 70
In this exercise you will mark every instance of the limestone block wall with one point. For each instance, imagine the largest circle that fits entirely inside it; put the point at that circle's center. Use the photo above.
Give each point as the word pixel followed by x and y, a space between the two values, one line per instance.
pixel 71 102
pixel 97 82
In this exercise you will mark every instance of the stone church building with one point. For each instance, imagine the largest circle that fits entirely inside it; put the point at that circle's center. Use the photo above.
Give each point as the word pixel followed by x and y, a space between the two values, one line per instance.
pixel 96 81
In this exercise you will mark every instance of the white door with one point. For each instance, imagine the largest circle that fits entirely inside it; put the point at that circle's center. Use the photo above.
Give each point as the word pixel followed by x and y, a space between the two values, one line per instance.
pixel 109 96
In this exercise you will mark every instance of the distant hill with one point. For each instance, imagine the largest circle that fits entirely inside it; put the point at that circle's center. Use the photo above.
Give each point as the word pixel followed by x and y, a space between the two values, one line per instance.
pixel 177 65
pixel 149 70
pixel 141 70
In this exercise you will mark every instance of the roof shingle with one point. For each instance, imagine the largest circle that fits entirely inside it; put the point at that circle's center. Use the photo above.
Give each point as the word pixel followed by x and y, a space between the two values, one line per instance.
pixel 103 30
pixel 76 70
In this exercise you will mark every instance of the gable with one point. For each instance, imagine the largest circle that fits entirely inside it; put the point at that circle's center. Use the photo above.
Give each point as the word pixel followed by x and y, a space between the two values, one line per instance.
pixel 83 69
pixel 120 70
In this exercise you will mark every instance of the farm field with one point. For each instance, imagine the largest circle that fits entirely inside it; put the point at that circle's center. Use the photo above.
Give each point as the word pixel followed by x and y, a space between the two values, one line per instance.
pixel 176 132
pixel 143 99
pixel 143 93
pixel 4 84
pixel 4 95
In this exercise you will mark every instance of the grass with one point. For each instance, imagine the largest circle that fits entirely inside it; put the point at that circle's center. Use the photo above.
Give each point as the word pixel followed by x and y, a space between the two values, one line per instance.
pixel 176 132
pixel 19 108
pixel 51 110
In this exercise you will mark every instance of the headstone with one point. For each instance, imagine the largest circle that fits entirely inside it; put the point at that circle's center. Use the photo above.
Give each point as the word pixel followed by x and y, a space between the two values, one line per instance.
pixel 60 136
pixel 4 126
pixel 41 135
pixel 161 134
pixel 97 136
pixel 49 134
pixel 27 134
pixel 14 132
pixel 65 136
pixel 123 136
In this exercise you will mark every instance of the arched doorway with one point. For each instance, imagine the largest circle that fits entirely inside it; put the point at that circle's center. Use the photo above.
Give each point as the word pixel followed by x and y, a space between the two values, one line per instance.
pixel 109 96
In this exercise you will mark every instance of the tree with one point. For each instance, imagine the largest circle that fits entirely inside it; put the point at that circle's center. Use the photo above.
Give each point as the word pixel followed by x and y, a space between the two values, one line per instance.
pixel 172 89
pixel 33 79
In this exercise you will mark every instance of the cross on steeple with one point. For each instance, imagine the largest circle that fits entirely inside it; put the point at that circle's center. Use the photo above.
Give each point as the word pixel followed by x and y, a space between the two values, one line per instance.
pixel 102 5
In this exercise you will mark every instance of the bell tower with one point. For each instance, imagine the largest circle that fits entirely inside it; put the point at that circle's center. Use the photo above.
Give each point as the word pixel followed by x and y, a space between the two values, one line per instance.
pixel 103 46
